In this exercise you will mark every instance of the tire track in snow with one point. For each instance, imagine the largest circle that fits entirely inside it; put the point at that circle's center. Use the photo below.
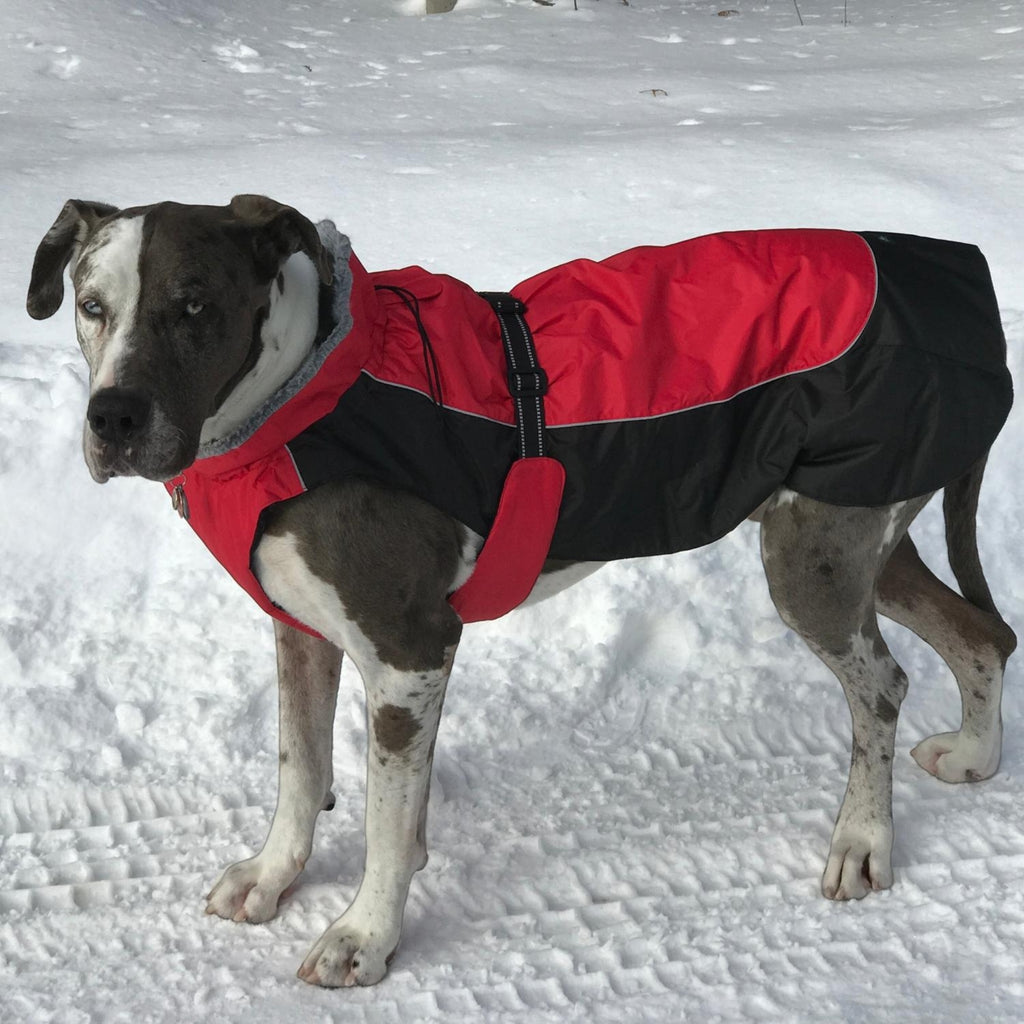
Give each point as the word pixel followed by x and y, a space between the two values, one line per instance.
pixel 776 852
pixel 171 858
pixel 121 852
pixel 32 811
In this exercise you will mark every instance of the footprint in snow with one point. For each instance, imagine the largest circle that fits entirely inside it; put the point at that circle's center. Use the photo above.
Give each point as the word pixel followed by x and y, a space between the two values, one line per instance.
pixel 64 66
pixel 239 57
pixel 300 128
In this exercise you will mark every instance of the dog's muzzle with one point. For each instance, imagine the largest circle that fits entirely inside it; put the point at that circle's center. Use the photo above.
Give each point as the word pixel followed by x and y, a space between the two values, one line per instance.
pixel 128 435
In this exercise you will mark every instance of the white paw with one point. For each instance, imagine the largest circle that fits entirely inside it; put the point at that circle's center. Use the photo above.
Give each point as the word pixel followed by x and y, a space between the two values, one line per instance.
pixel 858 863
pixel 346 956
pixel 953 757
pixel 250 890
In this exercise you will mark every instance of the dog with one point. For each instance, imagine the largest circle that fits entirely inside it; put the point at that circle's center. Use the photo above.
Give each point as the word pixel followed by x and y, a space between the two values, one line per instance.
pixel 193 318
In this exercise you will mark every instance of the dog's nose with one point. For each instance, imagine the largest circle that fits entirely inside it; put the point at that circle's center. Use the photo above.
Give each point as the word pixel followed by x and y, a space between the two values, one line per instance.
pixel 116 414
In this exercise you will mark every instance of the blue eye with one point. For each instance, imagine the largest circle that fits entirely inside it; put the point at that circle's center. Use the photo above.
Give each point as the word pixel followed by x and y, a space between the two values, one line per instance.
pixel 90 307
pixel 194 308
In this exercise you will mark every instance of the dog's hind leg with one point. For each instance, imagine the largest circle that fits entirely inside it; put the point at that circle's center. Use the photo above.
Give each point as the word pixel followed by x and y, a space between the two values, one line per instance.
pixel 308 670
pixel 822 563
pixel 974 642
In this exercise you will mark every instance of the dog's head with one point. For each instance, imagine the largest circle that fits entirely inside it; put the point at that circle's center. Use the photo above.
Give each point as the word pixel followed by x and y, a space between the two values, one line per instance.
pixel 169 300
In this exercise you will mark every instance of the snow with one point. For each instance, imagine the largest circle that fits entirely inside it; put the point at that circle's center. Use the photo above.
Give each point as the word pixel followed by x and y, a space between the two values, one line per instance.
pixel 636 780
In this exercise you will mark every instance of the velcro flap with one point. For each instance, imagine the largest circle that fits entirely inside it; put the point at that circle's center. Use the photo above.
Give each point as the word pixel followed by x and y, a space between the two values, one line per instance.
pixel 514 551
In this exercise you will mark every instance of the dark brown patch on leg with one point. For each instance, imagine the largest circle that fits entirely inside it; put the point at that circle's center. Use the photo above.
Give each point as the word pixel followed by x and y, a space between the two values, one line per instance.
pixel 885 709
pixel 395 728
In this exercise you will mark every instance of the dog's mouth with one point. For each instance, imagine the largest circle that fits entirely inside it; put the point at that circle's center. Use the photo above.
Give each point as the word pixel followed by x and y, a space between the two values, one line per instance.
pixel 101 472
pixel 159 455
pixel 104 466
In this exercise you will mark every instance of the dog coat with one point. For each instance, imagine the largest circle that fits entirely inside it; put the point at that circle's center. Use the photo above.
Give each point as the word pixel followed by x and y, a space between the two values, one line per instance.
pixel 685 383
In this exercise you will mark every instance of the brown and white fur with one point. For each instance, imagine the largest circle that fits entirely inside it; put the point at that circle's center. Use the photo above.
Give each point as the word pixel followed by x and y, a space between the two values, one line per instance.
pixel 190 316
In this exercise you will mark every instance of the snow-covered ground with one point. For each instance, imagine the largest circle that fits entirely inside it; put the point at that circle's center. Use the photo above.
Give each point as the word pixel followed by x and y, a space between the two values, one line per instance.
pixel 635 782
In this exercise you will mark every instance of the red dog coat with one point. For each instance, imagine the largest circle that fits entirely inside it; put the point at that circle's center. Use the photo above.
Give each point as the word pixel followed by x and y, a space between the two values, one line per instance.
pixel 686 383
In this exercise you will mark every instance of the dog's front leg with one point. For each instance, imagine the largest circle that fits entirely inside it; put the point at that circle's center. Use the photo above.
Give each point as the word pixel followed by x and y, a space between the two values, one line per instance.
pixel 370 569
pixel 402 710
pixel 308 670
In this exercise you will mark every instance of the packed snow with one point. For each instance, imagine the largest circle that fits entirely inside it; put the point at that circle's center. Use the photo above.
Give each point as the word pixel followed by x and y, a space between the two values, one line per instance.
pixel 635 781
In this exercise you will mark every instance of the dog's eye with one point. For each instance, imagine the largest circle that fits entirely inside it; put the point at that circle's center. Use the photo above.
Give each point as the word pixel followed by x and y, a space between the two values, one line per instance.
pixel 195 308
pixel 90 307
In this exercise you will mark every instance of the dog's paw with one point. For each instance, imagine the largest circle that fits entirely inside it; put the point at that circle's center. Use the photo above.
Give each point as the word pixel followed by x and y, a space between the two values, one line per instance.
pixel 953 757
pixel 858 863
pixel 250 890
pixel 345 956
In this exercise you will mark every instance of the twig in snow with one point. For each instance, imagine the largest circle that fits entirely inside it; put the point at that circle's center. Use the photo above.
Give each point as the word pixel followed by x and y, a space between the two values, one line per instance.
pixel 798 14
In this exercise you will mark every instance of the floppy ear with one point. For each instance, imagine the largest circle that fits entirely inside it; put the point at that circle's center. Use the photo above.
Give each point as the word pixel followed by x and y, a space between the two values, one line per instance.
pixel 279 231
pixel 59 244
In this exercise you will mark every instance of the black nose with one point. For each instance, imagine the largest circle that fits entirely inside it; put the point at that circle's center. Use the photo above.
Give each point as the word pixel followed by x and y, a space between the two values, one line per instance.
pixel 117 415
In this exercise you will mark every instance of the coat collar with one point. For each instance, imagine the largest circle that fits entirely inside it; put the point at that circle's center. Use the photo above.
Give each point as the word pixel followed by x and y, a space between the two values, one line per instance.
pixel 328 370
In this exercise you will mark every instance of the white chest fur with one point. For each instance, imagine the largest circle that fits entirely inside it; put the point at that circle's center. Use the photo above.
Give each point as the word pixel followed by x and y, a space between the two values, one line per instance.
pixel 287 335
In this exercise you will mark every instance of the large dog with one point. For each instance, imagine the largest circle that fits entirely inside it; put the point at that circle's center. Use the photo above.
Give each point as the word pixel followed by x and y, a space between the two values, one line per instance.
pixel 203 325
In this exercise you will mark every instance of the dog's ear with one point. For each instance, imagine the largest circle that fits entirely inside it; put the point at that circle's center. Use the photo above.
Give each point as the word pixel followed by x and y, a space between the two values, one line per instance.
pixel 279 231
pixel 62 242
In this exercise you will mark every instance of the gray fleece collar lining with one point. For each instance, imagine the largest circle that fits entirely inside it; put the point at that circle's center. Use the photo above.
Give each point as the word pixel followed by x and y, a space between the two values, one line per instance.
pixel 340 248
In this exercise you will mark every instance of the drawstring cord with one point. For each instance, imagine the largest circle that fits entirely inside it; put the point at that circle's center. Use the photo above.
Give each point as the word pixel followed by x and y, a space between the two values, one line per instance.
pixel 412 303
